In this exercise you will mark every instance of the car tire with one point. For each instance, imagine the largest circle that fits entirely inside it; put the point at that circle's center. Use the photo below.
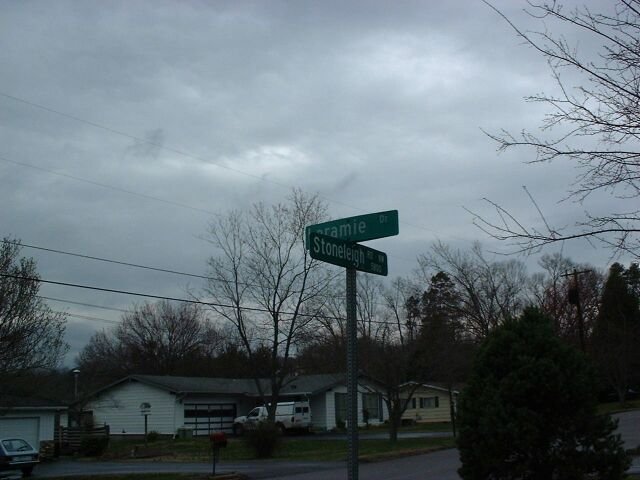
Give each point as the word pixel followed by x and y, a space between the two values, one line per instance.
pixel 281 428
pixel 238 430
pixel 27 471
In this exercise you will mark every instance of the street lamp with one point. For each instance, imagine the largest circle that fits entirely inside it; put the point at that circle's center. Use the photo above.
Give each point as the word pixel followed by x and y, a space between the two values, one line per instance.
pixel 75 372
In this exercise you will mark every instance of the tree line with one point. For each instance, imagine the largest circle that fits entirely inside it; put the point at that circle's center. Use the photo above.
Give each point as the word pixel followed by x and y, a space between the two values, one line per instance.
pixel 269 311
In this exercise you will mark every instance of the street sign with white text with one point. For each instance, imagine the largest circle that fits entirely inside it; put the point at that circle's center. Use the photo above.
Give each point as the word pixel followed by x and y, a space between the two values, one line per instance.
pixel 359 228
pixel 347 254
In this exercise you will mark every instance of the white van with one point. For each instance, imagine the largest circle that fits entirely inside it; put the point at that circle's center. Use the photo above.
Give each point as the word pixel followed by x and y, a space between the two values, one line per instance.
pixel 289 416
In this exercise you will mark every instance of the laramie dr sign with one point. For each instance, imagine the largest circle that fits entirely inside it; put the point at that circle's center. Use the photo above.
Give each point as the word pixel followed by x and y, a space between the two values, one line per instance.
pixel 359 228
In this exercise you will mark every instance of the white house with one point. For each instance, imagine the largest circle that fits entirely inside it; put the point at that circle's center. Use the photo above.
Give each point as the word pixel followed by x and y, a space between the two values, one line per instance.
pixel 35 420
pixel 210 404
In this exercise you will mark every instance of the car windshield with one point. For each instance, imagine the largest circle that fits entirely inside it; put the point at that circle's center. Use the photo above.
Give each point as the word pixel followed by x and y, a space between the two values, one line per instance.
pixel 15 445
pixel 254 412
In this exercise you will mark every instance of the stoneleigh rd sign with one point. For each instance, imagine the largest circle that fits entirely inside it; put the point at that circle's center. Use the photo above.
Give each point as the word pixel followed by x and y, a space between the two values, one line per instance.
pixel 359 228
pixel 347 254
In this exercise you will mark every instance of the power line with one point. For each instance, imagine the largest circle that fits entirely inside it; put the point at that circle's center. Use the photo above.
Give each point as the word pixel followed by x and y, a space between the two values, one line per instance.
pixel 146 141
pixel 146 267
pixel 117 262
pixel 87 317
pixel 169 149
pixel 107 186
pixel 176 299
pixel 131 192
pixel 83 304
pixel 146 295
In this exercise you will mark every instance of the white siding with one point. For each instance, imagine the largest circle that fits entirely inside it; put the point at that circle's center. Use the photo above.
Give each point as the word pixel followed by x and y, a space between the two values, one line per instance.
pixel 119 407
pixel 318 412
pixel 330 405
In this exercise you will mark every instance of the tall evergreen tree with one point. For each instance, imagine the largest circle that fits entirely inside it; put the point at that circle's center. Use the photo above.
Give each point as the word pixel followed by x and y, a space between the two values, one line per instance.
pixel 617 330
pixel 442 351
pixel 529 411
pixel 440 304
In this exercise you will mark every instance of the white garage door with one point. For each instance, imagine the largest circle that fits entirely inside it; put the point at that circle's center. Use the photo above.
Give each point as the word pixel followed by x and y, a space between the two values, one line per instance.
pixel 205 418
pixel 26 427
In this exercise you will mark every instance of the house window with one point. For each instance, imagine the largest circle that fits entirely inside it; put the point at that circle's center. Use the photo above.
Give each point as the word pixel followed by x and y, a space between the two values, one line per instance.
pixel 372 403
pixel 413 403
pixel 341 407
pixel 429 402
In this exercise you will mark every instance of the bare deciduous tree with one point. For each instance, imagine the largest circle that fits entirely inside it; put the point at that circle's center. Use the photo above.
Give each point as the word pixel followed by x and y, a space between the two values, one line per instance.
pixel 551 290
pixel 264 282
pixel 598 120
pixel 31 334
pixel 490 291
pixel 161 338
pixel 163 334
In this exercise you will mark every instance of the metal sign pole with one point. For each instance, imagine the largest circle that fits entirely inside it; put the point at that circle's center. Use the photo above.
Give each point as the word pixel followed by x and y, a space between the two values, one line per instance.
pixel 145 429
pixel 352 377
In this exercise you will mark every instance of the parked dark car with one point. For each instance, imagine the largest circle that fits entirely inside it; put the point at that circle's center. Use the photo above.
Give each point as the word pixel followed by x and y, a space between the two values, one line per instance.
pixel 17 454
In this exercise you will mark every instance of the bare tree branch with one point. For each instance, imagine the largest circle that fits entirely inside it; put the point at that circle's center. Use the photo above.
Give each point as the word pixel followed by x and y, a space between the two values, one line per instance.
pixel 599 121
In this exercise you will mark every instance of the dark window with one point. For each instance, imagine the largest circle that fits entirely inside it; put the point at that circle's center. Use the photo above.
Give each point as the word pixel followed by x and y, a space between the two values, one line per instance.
pixel 341 407
pixel 429 402
pixel 372 403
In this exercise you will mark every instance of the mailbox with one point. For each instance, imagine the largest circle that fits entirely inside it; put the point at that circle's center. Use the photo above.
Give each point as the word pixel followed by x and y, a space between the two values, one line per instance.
pixel 218 440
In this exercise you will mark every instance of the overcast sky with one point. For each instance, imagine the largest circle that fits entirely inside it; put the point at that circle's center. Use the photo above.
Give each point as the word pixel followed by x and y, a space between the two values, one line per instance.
pixel 125 125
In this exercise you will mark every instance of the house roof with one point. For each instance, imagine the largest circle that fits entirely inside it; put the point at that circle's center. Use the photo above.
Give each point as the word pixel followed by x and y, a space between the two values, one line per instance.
pixel 311 384
pixel 428 385
pixel 231 386
pixel 15 402
pixel 295 385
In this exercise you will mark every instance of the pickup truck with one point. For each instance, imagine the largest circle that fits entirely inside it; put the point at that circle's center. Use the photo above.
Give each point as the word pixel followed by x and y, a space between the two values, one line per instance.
pixel 289 416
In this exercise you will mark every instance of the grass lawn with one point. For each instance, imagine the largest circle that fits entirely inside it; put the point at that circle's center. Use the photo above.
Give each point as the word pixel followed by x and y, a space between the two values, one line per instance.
pixel 418 427
pixel 617 407
pixel 291 448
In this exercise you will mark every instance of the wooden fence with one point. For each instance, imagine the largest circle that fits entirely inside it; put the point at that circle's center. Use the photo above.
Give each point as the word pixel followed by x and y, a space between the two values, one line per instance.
pixel 69 439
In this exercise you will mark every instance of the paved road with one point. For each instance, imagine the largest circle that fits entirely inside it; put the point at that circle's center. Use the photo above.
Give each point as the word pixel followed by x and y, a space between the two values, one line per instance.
pixel 438 465
pixel 441 465
pixel 629 428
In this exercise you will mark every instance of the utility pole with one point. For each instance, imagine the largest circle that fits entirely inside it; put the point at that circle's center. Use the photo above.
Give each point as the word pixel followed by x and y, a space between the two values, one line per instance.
pixel 574 299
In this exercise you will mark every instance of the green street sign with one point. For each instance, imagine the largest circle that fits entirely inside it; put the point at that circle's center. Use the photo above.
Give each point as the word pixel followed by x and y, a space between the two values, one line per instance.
pixel 347 254
pixel 359 228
